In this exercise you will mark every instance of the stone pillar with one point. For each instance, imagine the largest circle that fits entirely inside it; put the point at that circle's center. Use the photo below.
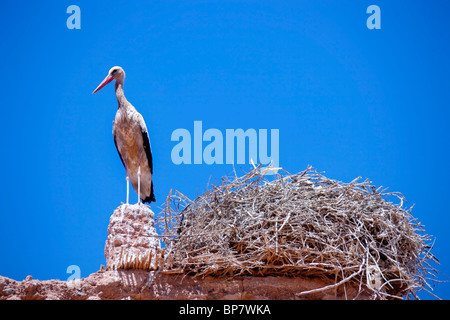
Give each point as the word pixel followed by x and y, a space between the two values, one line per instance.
pixel 131 242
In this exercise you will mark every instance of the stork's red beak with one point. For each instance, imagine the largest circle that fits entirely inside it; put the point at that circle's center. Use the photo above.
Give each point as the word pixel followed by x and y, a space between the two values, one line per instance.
pixel 107 80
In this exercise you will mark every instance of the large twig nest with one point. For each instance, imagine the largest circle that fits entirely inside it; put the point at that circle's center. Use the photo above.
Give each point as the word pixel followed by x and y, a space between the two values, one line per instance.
pixel 300 225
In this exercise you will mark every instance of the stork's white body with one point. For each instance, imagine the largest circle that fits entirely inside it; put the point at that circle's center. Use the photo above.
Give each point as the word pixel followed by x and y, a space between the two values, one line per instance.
pixel 128 130
pixel 131 140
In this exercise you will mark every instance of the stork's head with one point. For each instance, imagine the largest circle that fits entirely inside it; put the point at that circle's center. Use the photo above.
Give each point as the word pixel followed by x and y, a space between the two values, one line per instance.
pixel 115 73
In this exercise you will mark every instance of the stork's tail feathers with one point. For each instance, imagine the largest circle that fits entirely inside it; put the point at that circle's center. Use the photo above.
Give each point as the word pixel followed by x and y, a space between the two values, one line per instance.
pixel 151 198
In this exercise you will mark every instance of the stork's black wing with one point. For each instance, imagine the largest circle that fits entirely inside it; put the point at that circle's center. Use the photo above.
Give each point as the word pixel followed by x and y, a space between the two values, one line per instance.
pixel 148 152
pixel 147 148
pixel 115 142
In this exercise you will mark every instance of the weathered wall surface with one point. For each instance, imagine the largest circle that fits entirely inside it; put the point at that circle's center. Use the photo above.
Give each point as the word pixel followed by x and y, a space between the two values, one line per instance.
pixel 137 284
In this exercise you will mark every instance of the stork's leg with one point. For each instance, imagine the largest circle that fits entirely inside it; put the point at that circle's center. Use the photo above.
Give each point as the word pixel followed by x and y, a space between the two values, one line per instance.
pixel 128 180
pixel 128 188
pixel 139 184
pixel 139 178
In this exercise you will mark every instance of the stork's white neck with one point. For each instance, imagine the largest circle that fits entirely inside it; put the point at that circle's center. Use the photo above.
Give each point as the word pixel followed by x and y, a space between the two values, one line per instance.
pixel 123 102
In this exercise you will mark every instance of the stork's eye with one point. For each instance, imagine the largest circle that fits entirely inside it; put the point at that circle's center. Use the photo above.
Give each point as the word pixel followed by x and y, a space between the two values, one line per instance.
pixel 114 71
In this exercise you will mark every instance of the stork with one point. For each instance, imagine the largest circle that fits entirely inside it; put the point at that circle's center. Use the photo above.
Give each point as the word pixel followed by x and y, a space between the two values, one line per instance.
pixel 131 140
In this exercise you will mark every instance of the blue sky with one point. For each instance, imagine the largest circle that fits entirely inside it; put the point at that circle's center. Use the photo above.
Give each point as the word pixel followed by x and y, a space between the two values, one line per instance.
pixel 347 100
